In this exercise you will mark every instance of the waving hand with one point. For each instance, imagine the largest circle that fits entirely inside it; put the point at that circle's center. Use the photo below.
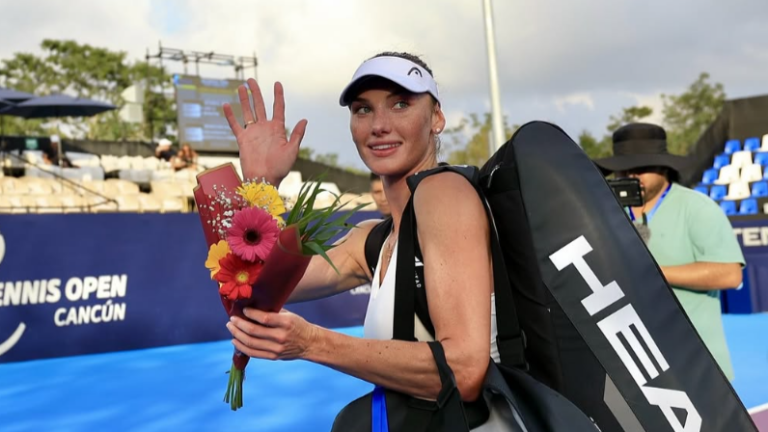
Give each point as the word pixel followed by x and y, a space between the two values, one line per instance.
pixel 264 149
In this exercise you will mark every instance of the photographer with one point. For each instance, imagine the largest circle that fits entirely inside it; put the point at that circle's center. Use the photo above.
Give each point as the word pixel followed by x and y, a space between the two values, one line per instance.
pixel 689 235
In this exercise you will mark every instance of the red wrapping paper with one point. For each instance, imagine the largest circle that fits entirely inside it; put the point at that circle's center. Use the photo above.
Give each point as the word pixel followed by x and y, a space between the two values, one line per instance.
pixel 282 271
pixel 284 266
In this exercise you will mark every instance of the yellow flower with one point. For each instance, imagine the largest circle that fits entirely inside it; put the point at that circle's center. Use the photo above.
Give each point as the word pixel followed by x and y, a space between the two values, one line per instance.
pixel 215 253
pixel 263 196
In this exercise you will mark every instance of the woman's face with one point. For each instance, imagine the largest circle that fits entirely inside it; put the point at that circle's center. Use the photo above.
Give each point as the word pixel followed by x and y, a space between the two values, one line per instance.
pixel 393 129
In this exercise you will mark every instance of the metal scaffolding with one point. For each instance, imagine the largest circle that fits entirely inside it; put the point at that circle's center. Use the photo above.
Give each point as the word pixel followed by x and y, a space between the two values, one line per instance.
pixel 239 63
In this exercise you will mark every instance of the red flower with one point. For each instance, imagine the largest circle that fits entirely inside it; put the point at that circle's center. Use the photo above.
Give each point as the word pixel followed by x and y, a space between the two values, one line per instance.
pixel 237 276
pixel 253 234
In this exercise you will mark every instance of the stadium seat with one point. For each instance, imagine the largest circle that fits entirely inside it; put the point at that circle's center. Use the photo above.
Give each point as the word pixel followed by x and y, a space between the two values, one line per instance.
pixel 764 147
pixel 13 186
pixel 761 158
pixel 738 191
pixel 170 204
pixel 718 192
pixel 72 204
pixel 128 203
pixel 729 207
pixel 728 175
pixel 13 204
pixel 149 203
pixel 708 178
pixel 722 160
pixel 740 159
pixel 47 204
pixel 37 186
pixel 702 189
pixel 752 173
pixel 98 204
pixel 760 189
pixel 350 200
pixel 752 144
pixel 748 206
pixel 732 146
pixel 123 187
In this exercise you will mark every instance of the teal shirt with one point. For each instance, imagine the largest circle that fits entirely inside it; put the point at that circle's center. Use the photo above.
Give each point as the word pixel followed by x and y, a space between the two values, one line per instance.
pixel 690 227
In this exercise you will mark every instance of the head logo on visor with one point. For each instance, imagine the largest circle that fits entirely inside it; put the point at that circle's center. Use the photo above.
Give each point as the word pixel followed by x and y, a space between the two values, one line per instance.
pixel 400 71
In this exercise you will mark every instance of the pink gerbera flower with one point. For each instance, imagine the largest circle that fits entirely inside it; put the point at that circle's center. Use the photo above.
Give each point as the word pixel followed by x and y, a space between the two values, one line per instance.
pixel 253 234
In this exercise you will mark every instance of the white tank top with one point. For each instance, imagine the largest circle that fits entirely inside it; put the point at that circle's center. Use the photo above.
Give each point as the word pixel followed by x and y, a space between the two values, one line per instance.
pixel 379 320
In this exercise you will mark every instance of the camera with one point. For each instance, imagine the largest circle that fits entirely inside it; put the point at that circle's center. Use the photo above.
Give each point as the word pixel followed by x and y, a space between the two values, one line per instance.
pixel 627 191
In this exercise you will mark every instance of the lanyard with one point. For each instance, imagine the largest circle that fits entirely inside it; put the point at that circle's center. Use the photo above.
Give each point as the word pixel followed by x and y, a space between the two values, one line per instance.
pixel 647 216
pixel 379 421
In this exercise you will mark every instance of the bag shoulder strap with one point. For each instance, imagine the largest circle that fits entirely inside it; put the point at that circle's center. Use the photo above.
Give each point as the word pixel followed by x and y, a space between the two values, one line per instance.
pixel 510 339
pixel 375 241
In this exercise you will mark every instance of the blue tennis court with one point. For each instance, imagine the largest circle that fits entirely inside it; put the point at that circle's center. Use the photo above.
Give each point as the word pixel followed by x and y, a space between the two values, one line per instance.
pixel 182 388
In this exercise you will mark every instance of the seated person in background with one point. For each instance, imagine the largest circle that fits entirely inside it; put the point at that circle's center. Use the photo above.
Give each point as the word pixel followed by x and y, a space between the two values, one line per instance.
pixel 186 158
pixel 51 154
pixel 377 192
pixel 163 150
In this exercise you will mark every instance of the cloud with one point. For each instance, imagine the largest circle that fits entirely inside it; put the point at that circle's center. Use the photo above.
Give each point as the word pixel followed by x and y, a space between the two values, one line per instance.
pixel 590 57
pixel 652 101
pixel 584 99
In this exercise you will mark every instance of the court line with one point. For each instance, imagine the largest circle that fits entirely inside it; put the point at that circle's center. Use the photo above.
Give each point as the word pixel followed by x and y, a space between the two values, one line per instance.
pixel 757 409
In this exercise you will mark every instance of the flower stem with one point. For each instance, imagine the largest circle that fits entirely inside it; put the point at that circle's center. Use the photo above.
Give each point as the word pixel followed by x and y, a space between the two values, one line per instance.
pixel 234 394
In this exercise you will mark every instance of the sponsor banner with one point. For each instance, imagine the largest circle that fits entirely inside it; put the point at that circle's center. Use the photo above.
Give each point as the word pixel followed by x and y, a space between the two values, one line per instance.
pixel 753 296
pixel 88 283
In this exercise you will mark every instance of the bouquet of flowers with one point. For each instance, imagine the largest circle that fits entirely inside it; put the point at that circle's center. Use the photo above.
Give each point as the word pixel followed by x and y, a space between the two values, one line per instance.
pixel 256 257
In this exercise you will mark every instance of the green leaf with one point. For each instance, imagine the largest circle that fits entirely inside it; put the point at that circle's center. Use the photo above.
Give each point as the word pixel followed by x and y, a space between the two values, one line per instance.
pixel 316 248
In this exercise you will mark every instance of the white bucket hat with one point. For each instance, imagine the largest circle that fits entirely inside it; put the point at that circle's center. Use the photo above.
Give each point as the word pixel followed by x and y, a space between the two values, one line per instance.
pixel 400 71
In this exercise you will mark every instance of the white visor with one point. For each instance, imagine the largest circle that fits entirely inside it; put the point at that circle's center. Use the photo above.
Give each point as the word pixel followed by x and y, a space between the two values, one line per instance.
pixel 400 71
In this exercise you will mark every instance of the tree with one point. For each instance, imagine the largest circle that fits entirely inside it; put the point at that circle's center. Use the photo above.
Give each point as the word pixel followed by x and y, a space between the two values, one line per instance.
pixel 470 140
pixel 687 116
pixel 595 148
pixel 91 72
pixel 330 159
pixel 628 115
pixel 306 153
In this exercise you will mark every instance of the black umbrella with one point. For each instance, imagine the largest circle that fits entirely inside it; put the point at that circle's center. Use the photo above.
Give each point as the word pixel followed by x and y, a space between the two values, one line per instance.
pixel 4 103
pixel 14 95
pixel 57 106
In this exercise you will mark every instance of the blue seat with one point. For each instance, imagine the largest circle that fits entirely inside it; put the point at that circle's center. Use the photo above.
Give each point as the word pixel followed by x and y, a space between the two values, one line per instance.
pixel 761 158
pixel 733 145
pixel 752 144
pixel 702 188
pixel 760 189
pixel 748 206
pixel 718 192
pixel 711 175
pixel 729 207
pixel 722 160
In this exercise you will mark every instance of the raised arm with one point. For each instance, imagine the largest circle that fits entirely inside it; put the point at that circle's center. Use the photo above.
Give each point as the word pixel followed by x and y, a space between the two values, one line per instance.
pixel 265 152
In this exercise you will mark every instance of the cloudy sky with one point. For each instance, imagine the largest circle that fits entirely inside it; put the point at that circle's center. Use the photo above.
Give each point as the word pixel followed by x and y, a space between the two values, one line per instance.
pixel 572 62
